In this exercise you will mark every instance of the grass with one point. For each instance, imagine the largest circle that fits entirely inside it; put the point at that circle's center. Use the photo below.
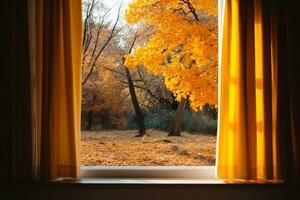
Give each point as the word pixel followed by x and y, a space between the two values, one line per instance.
pixel 121 148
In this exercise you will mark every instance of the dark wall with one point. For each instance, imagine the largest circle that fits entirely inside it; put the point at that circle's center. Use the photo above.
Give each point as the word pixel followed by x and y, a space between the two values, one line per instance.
pixel 149 192
pixel 15 90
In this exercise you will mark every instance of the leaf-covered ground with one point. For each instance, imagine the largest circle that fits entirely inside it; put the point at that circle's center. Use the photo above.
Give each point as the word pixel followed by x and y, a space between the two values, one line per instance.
pixel 121 148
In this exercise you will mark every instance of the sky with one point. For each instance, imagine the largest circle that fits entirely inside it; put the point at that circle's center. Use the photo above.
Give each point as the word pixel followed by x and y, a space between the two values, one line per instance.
pixel 115 4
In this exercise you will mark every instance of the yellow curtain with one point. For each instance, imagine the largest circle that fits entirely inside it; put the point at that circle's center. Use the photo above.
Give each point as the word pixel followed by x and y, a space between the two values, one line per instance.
pixel 58 87
pixel 258 135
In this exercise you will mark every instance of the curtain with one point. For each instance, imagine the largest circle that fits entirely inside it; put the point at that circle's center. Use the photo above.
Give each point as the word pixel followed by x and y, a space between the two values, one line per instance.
pixel 40 122
pixel 58 73
pixel 259 133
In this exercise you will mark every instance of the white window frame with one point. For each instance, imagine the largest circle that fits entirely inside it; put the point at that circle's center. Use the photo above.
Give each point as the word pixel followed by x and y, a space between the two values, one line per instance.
pixel 194 172
pixel 156 174
pixel 148 175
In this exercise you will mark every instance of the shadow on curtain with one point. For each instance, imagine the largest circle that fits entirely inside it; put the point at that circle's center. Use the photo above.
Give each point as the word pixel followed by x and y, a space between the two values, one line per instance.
pixel 259 133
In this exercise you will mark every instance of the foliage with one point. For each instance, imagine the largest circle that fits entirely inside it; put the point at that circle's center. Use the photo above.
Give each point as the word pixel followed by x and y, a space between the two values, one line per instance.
pixel 193 122
pixel 210 110
pixel 106 101
pixel 175 56
pixel 183 47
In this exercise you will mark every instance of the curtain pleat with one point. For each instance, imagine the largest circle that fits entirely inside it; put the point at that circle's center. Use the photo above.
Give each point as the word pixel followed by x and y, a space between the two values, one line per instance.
pixel 59 93
pixel 258 136
pixel 40 89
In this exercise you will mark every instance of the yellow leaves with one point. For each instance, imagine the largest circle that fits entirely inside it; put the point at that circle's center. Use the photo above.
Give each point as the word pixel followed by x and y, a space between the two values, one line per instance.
pixel 121 148
pixel 150 10
pixel 187 82
pixel 207 6
pixel 183 48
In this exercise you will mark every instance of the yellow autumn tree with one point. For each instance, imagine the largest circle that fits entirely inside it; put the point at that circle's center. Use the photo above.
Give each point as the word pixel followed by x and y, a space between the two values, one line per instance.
pixel 183 48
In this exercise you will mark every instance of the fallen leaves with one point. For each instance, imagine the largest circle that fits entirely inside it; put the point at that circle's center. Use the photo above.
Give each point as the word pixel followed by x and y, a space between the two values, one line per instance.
pixel 121 148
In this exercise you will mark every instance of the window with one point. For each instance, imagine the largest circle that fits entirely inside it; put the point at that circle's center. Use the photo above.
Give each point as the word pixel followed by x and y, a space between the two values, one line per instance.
pixel 149 89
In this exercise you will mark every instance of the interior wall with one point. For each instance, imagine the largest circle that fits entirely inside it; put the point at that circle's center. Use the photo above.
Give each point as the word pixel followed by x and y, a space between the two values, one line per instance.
pixel 148 192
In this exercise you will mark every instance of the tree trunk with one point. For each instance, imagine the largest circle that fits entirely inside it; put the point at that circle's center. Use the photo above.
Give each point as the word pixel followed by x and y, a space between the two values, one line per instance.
pixel 89 120
pixel 135 103
pixel 176 124
pixel 90 114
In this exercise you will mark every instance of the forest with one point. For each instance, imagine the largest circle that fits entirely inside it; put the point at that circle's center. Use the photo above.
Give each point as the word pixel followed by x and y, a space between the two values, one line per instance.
pixel 149 82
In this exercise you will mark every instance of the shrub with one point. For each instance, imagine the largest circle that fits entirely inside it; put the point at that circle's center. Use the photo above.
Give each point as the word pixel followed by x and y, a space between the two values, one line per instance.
pixel 198 122
pixel 193 122
pixel 160 120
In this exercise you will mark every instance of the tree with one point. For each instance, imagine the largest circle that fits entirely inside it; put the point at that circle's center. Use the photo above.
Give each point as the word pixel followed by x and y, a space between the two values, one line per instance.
pixel 135 103
pixel 149 87
pixel 183 48
pixel 175 129
pixel 104 102
pixel 96 35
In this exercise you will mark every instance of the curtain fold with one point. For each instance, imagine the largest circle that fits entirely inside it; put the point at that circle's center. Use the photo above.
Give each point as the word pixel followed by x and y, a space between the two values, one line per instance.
pixel 58 53
pixel 258 136
pixel 40 89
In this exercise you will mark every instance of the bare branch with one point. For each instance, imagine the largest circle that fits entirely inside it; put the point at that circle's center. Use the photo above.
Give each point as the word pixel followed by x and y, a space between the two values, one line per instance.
pixel 191 8
pixel 94 58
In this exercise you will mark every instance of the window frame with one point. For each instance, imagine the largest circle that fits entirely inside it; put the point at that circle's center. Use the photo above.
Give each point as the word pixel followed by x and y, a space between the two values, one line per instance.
pixel 188 174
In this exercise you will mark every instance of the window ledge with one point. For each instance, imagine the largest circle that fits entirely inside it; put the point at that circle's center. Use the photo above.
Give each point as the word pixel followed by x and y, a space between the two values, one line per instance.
pixel 127 181
pixel 114 175
pixel 146 175
pixel 156 172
